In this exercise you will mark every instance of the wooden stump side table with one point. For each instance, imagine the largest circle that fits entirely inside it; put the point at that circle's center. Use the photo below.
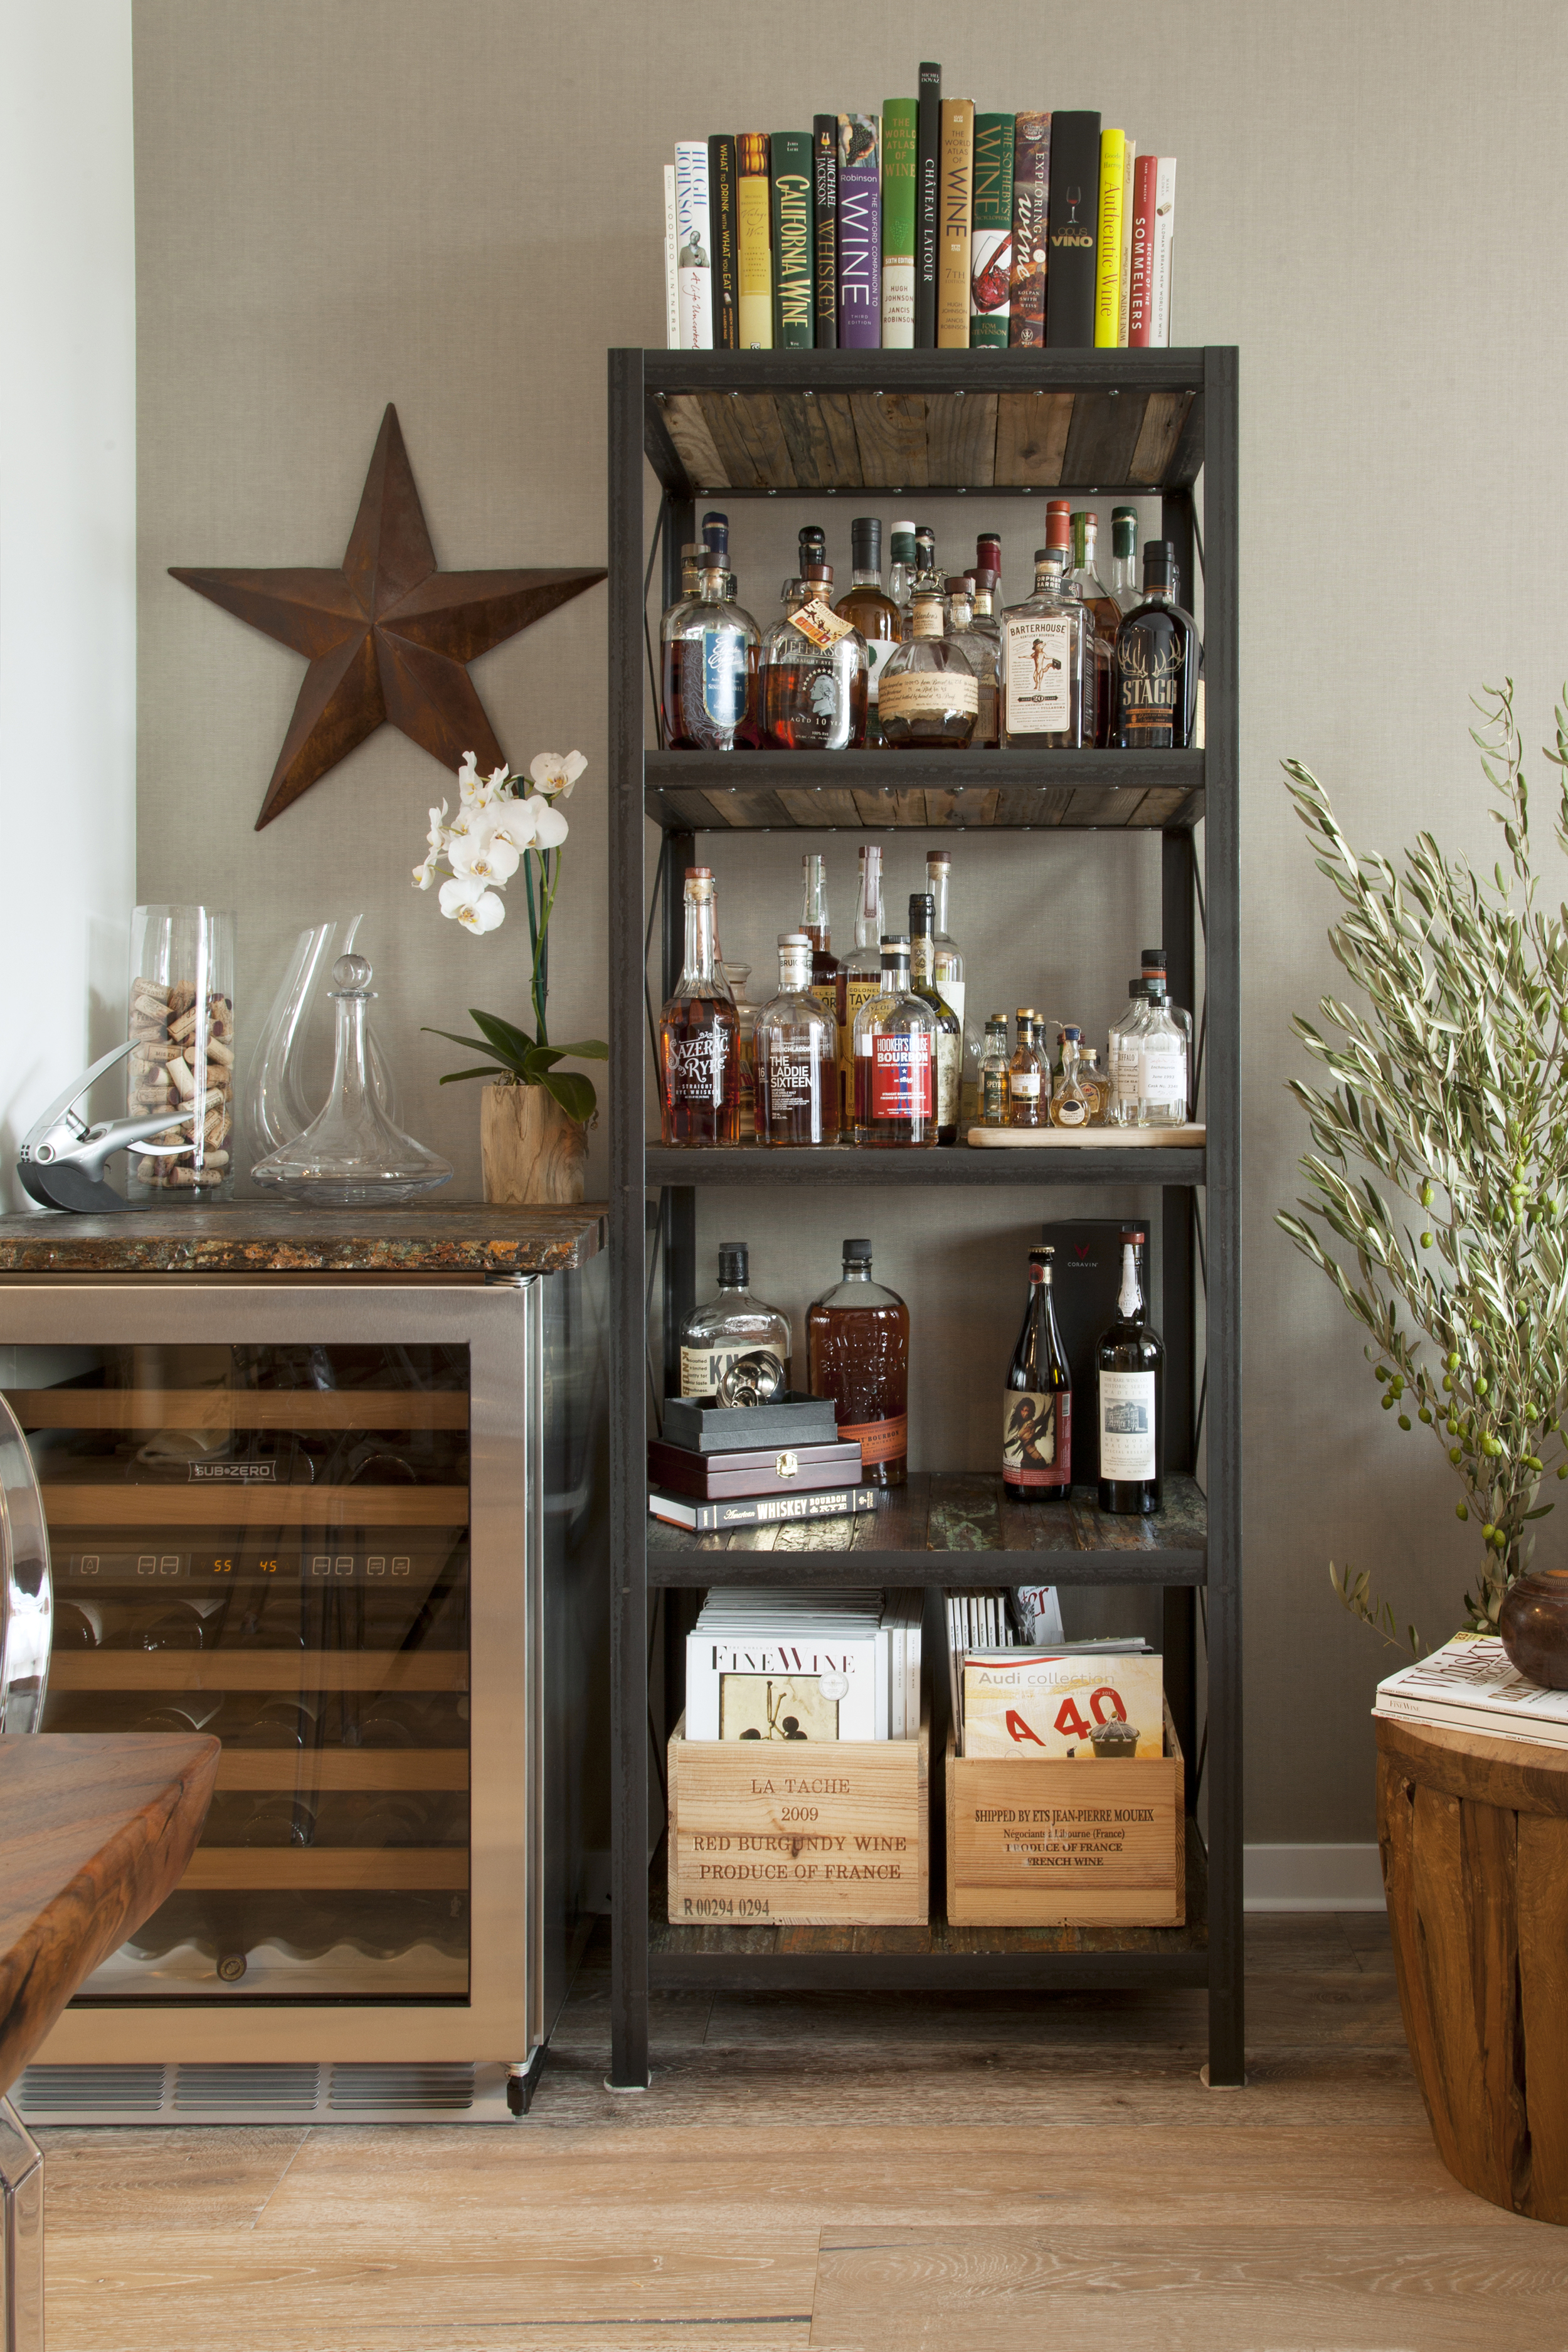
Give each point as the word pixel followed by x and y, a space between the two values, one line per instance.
pixel 95 1831
pixel 1474 1839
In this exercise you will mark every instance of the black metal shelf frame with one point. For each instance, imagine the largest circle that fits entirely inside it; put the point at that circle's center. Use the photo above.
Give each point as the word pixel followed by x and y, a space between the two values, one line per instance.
pixel 1112 398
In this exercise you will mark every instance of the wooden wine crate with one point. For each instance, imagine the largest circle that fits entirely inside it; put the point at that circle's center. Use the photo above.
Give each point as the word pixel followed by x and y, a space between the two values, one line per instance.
pixel 1037 1842
pixel 832 1832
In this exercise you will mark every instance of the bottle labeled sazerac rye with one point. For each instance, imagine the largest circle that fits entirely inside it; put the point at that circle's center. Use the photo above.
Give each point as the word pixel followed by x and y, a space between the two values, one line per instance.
pixel 699 1032
pixel 1037 1410
pixel 857 1339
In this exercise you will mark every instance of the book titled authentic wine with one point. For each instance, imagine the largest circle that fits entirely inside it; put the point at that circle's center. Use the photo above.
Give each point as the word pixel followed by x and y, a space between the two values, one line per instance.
pixel 1070 1706
pixel 900 122
pixel 1031 211
pixel 824 230
pixel 694 245
pixel 1073 229
pixel 754 246
pixel 1129 198
pixel 956 197
pixel 1108 242
pixel 721 211
pixel 927 175
pixel 991 233
pixel 860 233
pixel 794 325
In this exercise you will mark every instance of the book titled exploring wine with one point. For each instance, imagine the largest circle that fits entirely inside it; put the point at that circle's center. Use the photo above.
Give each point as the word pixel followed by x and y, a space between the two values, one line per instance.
pixel 1469 1685
pixel 694 247
pixel 1031 210
pixel 860 233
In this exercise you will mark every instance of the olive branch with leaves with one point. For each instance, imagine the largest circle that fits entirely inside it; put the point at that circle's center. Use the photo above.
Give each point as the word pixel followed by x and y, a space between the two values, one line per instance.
pixel 1440 1157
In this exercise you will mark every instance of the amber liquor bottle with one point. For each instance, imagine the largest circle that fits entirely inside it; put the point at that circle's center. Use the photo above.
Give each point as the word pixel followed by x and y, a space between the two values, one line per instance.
pixel 1085 583
pixel 1129 1404
pixel 948 1042
pixel 857 1346
pixel 860 975
pixel 816 923
pixel 699 1032
pixel 1036 1410
pixel 895 1059
pixel 874 614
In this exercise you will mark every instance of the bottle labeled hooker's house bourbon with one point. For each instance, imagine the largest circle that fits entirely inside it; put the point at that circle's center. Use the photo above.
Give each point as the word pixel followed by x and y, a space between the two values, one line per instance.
pixel 858 1343
pixel 699 1032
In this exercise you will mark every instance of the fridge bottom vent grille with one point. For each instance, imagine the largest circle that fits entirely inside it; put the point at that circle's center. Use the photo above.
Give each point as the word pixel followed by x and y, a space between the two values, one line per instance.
pixel 130 2090
pixel 199 2089
pixel 248 2093
pixel 425 2087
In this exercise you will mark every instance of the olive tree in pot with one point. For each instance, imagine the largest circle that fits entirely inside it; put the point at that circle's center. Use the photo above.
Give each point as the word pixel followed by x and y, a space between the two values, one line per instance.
pixel 1437 1205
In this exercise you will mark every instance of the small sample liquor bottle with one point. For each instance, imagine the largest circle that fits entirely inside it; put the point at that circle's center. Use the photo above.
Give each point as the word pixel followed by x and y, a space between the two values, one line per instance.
pixel 1070 1105
pixel 874 615
pixel 1026 1087
pixel 1130 1405
pixel 815 923
pixel 949 1040
pixel 993 1073
pixel 858 1344
pixel 813 673
pixel 731 1324
pixel 1092 1079
pixel 1124 582
pixel 1046 649
pixel 1037 1410
pixel 1084 583
pixel 699 1032
pixel 1159 664
pixel 860 975
pixel 931 696
pixel 895 1059
pixel 980 652
pixel 797 1056
pixel 711 658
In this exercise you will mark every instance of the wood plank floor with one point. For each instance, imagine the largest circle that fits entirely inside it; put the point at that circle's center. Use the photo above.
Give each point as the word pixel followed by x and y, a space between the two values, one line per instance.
pixel 869 2174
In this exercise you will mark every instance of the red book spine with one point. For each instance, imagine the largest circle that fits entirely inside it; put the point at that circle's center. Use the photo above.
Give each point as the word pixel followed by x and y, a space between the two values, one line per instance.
pixel 1140 303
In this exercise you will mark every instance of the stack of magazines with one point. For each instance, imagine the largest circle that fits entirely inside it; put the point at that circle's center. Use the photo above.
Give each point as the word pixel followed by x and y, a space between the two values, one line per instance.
pixel 1469 1685
pixel 928 226
pixel 1016 1695
pixel 781 1665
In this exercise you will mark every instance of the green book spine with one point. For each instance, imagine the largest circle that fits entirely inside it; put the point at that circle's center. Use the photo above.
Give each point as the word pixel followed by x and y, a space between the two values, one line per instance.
pixel 991 235
pixel 900 118
pixel 794 322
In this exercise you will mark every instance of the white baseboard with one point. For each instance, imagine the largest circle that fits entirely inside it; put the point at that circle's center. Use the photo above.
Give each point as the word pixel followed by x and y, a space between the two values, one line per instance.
pixel 1311 1878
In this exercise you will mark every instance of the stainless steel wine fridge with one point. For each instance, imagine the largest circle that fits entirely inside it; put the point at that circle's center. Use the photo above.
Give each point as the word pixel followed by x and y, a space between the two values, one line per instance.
pixel 352 1526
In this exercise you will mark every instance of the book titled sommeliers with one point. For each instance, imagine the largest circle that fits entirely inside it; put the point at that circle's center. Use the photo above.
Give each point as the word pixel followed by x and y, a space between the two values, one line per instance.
pixel 759 1510
pixel 1469 1685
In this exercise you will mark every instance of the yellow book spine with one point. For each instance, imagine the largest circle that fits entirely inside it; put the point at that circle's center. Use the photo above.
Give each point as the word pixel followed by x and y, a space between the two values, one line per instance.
pixel 1108 260
pixel 753 248
pixel 955 194
pixel 1129 167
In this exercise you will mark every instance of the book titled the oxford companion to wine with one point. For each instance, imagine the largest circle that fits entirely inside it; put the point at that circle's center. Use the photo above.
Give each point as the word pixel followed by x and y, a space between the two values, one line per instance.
pixel 899 135
pixel 991 233
pixel 794 326
pixel 1074 229
pixel 753 260
pixel 860 233
pixel 825 229
pixel 1031 208
pixel 955 197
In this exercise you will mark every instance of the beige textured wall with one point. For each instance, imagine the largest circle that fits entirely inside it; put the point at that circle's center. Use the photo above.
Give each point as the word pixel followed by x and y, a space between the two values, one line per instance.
pixel 340 202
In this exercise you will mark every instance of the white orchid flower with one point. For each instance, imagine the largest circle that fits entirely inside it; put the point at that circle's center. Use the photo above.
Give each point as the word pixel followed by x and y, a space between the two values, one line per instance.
pixel 553 774
pixel 468 778
pixel 466 900
pixel 484 854
pixel 425 875
pixel 550 827
pixel 514 821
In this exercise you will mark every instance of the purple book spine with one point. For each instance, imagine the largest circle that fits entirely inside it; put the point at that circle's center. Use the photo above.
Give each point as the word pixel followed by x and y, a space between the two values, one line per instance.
pixel 859 232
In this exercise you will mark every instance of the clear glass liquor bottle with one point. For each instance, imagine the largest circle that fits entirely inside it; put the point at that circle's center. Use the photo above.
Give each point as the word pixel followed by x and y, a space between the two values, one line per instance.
pixel 993 1073
pixel 1121 1107
pixel 815 923
pixel 947 970
pixel 985 615
pixel 1159 664
pixel 1037 1409
pixel 731 1324
pixel 901 571
pixel 1124 582
pixel 895 1059
pixel 797 1056
pixel 699 1032
pixel 1162 1064
pixel 931 696
pixel 710 660
pixel 813 673
pixel 1070 1106
pixel 738 974
pixel 1092 1079
pixel 1046 647
pixel 949 1040
pixel 857 1346
pixel 1130 1402
pixel 924 576
pixel 868 610
pixel 1026 1084
pixel 860 975
pixel 1153 965
pixel 1085 583
pixel 691 556
pixel 980 652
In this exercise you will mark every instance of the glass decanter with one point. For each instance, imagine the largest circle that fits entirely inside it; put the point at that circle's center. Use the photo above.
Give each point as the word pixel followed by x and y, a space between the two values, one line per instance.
pixel 352 1154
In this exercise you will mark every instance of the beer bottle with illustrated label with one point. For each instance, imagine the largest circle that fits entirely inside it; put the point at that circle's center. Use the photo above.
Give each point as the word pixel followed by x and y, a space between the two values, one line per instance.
pixel 1130 1403
pixel 733 1324
pixel 858 1341
pixel 1036 1408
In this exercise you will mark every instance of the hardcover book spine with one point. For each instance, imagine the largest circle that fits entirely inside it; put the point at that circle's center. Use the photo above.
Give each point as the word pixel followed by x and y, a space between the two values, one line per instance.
pixel 1031 211
pixel 671 246
pixel 693 260
pixel 721 198
pixel 928 205
pixel 900 134
pixel 1075 191
pixel 957 197
pixel 753 253
pixel 1139 312
pixel 860 233
pixel 1128 169
pixel 825 227
pixel 791 175
pixel 991 233
pixel 1161 252
pixel 1108 249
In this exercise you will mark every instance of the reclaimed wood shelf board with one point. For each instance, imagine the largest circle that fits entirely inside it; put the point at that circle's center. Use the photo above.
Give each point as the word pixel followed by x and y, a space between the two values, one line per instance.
pixel 68 1408
pixel 114 1504
pixel 880 789
pixel 260 1669
pixel 1087 1138
pixel 1101 1162
pixel 958 1530
pixel 398 1870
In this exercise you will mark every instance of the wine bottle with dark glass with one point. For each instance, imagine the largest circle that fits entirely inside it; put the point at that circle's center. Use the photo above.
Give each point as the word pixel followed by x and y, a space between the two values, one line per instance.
pixel 1037 1411
pixel 1129 1404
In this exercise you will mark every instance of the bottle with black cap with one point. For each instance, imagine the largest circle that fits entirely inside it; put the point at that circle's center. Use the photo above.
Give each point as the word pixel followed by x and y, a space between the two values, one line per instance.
pixel 1037 1409
pixel 948 1042
pixel 894 1054
pixel 858 1341
pixel 1159 664
pixel 711 659
pixel 870 611
pixel 1129 1400
pixel 732 1324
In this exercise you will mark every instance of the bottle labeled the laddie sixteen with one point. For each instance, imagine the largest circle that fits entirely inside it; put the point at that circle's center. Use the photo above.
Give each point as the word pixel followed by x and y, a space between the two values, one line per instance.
pixel 1036 1410
pixel 1131 1402
pixel 796 1057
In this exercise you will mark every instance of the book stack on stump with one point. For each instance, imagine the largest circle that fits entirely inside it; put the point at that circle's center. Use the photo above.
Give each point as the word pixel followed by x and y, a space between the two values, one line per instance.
pixel 717 1466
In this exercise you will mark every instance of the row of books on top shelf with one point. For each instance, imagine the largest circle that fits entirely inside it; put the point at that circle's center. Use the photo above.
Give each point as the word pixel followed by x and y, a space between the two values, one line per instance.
pixel 1470 1685
pixel 930 226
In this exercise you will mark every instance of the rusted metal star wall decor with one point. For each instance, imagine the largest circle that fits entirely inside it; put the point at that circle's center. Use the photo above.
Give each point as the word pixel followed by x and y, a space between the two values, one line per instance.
pixel 387 636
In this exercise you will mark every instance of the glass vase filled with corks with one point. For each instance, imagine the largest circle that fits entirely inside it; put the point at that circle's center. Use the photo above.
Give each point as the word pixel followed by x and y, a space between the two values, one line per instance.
pixel 182 1029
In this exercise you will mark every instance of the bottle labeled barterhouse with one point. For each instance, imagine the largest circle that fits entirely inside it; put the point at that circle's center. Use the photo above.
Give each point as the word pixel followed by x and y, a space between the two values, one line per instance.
pixel 1046 704
pixel 1037 1409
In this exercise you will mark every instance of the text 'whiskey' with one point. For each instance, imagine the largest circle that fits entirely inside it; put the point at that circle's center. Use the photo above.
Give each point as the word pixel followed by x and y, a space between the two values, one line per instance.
pixel 699 1032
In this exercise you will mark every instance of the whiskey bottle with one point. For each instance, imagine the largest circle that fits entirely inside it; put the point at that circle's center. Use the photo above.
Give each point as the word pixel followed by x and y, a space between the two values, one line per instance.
pixel 815 923
pixel 1124 585
pixel 1046 647
pixel 1159 664
pixel 988 557
pixel 947 971
pixel 857 1342
pixel 797 1056
pixel 874 615
pixel 813 673
pixel 931 697
pixel 979 652
pixel 1036 1410
pixel 710 660
pixel 670 622
pixel 1153 966
pixel 738 974
pixel 923 575
pixel 699 1034
pixel 985 619
pixel 733 1323
pixel 1084 583
pixel 1025 1086
pixel 1070 1105
pixel 949 1039
pixel 901 572
pixel 1162 1062
pixel 1130 1405
pixel 993 1073
pixel 895 1059
pixel 1092 1079
pixel 860 975
pixel 1121 1107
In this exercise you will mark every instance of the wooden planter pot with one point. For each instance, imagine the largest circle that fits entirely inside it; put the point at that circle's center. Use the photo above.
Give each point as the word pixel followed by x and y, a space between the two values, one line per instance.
pixel 1474 1839
pixel 533 1150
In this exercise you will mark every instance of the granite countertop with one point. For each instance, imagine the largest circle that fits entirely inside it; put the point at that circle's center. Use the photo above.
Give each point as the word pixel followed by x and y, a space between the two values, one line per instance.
pixel 263 1237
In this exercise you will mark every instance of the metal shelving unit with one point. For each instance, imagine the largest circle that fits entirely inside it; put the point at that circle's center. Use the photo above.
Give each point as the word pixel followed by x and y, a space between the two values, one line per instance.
pixel 1009 424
